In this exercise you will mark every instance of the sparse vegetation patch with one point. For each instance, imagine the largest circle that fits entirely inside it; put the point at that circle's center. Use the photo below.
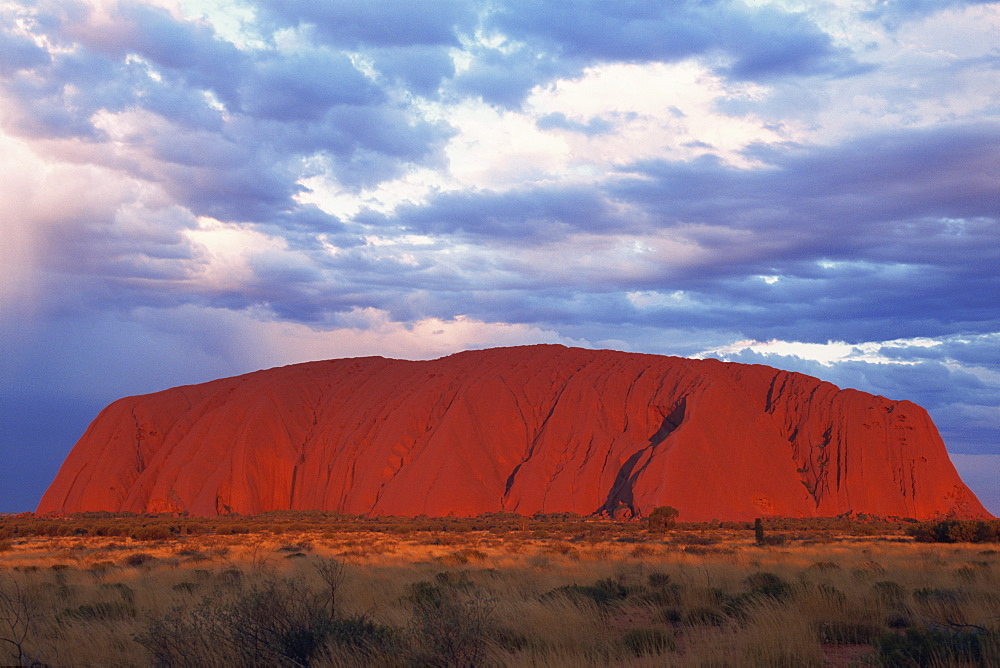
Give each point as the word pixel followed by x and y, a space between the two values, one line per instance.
pixel 304 589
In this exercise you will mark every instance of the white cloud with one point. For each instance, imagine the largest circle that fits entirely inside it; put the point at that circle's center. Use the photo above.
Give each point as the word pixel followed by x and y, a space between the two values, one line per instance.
pixel 227 252
pixel 929 71
pixel 652 299
pixel 827 354
pixel 654 110
pixel 371 331
pixel 499 149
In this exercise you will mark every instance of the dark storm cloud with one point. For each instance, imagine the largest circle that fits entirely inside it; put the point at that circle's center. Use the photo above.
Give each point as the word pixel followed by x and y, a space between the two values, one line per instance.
pixel 64 370
pixel 305 86
pixel 910 197
pixel 930 384
pixel 419 68
pixel 889 277
pixel 144 245
pixel 504 78
pixel 36 447
pixel 755 43
pixel 979 350
pixel 408 42
pixel 878 237
pixel 350 23
pixel 514 216
pixel 187 49
pixel 893 176
pixel 238 163
pixel 875 303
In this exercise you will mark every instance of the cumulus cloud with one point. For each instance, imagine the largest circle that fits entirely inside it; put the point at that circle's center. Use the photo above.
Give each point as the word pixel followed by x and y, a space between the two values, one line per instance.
pixel 540 41
pixel 353 23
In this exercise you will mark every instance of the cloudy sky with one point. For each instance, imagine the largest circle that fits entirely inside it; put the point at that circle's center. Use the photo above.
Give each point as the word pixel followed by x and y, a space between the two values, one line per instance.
pixel 192 189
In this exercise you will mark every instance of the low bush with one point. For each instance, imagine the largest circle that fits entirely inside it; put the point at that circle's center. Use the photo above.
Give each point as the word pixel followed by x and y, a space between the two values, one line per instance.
pixel 889 592
pixel 847 632
pixel 603 592
pixel 645 641
pixel 103 611
pixel 933 647
pixel 270 621
pixel 453 623
pixel 138 559
pixel 956 531
pixel 768 585
pixel 151 533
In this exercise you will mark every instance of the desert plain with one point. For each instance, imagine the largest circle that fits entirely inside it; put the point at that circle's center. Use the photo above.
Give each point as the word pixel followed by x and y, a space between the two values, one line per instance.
pixel 320 589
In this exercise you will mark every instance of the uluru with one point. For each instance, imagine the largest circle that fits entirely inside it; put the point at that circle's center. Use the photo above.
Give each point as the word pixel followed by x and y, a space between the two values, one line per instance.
pixel 524 429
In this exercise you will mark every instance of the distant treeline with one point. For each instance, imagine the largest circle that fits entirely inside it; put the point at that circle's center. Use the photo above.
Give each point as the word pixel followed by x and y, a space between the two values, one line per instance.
pixel 168 525
pixel 956 531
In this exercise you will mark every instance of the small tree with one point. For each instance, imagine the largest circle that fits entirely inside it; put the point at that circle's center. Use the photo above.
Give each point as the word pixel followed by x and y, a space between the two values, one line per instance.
pixel 663 518
pixel 18 616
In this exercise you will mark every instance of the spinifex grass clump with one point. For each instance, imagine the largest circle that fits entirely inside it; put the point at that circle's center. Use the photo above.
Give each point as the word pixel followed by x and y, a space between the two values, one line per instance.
pixel 930 646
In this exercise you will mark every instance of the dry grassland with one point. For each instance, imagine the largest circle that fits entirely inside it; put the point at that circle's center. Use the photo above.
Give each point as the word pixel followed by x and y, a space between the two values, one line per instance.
pixel 352 598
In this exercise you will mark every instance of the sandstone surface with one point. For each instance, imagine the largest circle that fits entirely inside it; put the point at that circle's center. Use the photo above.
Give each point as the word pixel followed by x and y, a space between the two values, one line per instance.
pixel 523 429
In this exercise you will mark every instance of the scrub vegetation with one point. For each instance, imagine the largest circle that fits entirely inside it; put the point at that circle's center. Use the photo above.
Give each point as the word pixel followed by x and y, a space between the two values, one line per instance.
pixel 321 589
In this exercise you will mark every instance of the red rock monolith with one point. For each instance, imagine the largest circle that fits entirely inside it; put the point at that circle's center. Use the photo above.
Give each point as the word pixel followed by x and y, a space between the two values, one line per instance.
pixel 524 429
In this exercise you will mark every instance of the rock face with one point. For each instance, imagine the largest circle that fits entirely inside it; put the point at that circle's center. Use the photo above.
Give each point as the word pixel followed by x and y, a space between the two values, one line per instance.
pixel 526 429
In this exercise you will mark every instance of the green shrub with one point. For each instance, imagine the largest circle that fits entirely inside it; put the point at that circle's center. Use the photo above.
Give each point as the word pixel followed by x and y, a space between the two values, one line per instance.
pixel 662 518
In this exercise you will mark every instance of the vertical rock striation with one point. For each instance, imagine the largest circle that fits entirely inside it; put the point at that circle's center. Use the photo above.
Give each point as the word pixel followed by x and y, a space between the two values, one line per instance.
pixel 525 429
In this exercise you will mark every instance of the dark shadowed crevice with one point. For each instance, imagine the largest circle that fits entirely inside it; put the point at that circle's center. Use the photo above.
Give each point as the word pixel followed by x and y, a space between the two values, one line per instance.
pixel 510 480
pixel 621 491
